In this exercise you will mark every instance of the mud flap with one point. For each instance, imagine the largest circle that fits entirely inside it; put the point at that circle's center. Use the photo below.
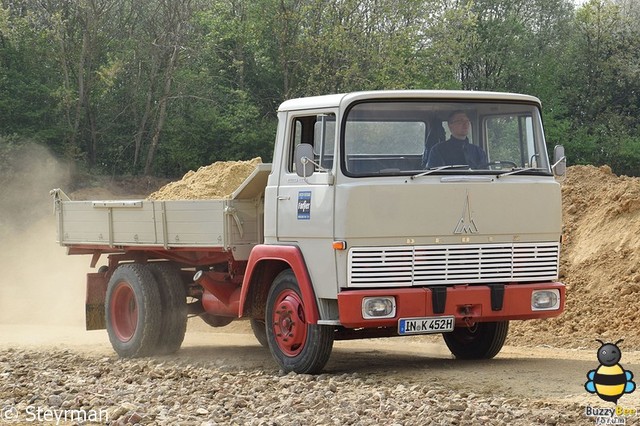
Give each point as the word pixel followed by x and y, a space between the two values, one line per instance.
pixel 438 299
pixel 497 296
pixel 94 305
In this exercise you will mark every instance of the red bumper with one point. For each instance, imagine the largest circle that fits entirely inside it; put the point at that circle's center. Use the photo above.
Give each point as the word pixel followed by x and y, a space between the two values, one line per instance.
pixel 462 301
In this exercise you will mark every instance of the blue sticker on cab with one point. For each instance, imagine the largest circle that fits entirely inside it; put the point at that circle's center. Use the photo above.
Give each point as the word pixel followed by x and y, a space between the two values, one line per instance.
pixel 304 205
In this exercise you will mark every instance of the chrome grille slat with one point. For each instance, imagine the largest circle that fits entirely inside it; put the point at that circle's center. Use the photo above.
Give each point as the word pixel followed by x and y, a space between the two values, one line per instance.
pixel 452 264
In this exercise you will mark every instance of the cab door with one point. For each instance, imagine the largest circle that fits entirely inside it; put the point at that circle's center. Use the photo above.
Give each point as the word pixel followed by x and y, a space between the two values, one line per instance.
pixel 305 213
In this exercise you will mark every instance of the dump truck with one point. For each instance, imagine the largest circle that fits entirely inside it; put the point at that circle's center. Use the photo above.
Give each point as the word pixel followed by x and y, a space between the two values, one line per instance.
pixel 349 233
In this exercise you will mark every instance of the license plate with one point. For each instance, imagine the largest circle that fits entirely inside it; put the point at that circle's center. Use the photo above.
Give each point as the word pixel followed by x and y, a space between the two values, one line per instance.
pixel 426 325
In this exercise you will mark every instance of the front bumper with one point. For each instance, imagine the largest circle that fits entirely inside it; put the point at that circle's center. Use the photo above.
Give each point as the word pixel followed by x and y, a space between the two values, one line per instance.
pixel 467 303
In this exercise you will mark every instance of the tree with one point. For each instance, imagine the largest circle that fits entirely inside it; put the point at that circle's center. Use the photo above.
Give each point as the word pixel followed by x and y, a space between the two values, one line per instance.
pixel 174 20
pixel 604 86
pixel 506 45
pixel 162 86
pixel 27 94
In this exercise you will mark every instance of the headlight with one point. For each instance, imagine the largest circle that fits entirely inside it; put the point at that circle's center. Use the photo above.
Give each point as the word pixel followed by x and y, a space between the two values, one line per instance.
pixel 378 307
pixel 545 300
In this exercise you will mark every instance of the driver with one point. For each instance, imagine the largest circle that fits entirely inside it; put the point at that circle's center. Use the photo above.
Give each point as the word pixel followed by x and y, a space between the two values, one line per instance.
pixel 457 150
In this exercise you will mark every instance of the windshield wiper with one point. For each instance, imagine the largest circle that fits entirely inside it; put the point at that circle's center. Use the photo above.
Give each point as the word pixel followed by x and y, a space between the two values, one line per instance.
pixel 437 169
pixel 516 171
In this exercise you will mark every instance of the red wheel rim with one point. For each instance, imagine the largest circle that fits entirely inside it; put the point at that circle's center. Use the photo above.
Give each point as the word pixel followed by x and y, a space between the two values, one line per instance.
pixel 124 312
pixel 289 323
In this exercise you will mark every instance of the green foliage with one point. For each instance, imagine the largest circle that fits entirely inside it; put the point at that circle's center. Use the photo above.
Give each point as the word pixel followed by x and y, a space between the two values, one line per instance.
pixel 581 147
pixel 602 86
pixel 116 84
pixel 627 161
pixel 27 92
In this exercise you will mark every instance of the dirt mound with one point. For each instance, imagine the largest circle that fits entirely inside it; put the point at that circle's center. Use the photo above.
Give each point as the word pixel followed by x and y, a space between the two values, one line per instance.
pixel 600 264
pixel 217 180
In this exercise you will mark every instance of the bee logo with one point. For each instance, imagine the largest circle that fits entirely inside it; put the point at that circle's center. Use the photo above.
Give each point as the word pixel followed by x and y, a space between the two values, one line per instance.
pixel 609 381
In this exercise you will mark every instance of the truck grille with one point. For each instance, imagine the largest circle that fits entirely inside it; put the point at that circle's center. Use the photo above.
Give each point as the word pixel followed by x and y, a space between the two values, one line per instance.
pixel 452 264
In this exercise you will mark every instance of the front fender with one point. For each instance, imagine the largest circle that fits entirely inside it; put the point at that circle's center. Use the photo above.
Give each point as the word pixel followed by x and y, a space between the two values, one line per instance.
pixel 279 257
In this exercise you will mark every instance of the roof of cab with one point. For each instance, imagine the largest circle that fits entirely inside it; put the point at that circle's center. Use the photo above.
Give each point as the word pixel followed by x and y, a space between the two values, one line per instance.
pixel 337 100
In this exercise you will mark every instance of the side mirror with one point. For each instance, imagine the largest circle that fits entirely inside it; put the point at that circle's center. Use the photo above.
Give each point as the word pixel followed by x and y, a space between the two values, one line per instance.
pixel 559 161
pixel 303 155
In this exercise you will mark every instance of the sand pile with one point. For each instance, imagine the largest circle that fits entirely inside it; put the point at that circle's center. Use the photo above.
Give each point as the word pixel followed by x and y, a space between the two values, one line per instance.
pixel 217 180
pixel 600 264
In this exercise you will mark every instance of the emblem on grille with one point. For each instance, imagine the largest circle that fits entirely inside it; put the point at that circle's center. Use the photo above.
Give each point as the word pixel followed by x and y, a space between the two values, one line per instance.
pixel 466 225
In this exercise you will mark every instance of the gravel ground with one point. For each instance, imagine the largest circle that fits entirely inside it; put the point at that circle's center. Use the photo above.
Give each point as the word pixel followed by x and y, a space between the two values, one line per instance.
pixel 44 387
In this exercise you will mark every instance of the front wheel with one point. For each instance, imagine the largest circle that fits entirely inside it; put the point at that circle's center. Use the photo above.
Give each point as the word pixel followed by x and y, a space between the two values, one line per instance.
pixel 295 344
pixel 481 341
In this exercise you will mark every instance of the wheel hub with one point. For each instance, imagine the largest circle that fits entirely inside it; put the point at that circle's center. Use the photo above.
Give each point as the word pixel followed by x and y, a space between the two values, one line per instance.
pixel 124 312
pixel 289 324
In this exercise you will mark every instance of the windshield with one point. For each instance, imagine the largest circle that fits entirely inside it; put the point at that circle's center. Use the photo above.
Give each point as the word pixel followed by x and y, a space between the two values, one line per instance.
pixel 409 137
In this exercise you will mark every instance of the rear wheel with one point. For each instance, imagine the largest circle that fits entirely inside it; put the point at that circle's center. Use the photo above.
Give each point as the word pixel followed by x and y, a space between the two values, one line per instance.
pixel 133 311
pixel 173 297
pixel 295 344
pixel 482 341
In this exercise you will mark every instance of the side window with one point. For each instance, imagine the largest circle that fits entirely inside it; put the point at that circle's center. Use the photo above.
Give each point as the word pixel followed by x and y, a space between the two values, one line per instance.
pixel 510 138
pixel 319 131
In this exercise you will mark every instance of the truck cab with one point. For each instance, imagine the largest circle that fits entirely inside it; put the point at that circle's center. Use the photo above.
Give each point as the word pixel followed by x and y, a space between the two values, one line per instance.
pixel 396 242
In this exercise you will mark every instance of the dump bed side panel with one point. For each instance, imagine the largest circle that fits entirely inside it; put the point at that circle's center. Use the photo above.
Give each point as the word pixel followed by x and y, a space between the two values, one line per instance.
pixel 230 224
pixel 193 223
pixel 245 219
pixel 146 223
pixel 79 222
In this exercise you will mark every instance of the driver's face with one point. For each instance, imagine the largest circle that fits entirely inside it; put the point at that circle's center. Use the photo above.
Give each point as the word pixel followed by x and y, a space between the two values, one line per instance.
pixel 459 125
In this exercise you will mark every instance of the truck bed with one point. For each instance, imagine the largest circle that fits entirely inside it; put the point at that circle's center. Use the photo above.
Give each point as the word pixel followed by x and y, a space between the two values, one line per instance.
pixel 225 224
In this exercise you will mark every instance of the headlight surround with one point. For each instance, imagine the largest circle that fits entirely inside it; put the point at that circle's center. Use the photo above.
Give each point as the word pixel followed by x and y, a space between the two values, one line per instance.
pixel 378 307
pixel 545 300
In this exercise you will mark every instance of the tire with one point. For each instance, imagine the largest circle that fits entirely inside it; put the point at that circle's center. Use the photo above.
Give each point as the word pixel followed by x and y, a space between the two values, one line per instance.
pixel 482 341
pixel 295 344
pixel 173 299
pixel 133 311
pixel 259 329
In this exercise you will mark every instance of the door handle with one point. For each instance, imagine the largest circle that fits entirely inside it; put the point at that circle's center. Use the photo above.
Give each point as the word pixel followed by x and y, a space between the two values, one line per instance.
pixel 283 197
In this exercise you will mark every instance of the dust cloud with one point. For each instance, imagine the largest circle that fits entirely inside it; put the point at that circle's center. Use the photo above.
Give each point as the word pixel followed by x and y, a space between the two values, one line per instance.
pixel 39 283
